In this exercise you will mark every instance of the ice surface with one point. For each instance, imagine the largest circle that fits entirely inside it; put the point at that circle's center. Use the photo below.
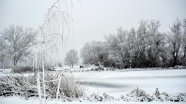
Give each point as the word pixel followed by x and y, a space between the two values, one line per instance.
pixel 121 82
pixel 117 83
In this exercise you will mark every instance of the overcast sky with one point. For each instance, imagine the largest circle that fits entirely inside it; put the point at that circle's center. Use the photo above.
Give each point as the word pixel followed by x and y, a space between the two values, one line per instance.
pixel 92 19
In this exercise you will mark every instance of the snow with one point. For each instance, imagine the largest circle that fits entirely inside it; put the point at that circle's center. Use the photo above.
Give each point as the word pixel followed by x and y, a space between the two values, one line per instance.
pixel 76 68
pixel 5 71
pixel 119 82
pixel 18 100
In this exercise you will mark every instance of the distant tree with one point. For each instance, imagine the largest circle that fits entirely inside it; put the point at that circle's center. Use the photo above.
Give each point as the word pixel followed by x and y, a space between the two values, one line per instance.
pixel 95 52
pixel 143 47
pixel 18 41
pixel 3 52
pixel 118 46
pixel 174 40
pixel 155 44
pixel 87 54
pixel 183 46
pixel 71 58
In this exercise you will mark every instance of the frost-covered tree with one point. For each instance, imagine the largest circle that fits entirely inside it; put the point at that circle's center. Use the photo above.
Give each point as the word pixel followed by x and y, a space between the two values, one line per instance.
pixel 155 44
pixel 183 46
pixel 71 58
pixel 3 53
pixel 86 53
pixel 118 46
pixel 146 44
pixel 18 41
pixel 143 47
pixel 92 52
pixel 174 41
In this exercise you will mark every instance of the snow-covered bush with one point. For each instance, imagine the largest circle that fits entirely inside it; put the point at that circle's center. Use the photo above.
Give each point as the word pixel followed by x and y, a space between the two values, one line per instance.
pixel 22 69
pixel 28 69
pixel 139 95
pixel 68 87
pixel 99 69
pixel 179 67
pixel 17 84
pixel 27 86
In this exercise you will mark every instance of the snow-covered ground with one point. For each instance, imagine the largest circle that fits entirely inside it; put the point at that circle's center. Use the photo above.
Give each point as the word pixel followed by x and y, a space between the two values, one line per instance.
pixel 120 82
pixel 5 71
pixel 117 83
pixel 18 100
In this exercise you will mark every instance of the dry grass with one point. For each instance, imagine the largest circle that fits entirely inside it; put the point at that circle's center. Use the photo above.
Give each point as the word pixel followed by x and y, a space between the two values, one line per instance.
pixel 27 86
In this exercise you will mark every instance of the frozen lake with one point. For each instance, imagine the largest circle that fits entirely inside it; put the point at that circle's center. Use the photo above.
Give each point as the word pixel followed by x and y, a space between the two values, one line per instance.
pixel 118 83
pixel 122 82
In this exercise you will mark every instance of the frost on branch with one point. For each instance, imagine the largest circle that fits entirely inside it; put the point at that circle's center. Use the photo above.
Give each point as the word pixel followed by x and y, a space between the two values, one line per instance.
pixel 26 86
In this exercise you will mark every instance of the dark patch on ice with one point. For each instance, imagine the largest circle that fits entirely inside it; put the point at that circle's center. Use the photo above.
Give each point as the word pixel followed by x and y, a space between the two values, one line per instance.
pixel 102 84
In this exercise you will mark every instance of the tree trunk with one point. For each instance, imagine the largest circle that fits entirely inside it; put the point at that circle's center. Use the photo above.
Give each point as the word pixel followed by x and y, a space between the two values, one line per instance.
pixel 3 63
pixel 15 61
pixel 184 52
pixel 175 61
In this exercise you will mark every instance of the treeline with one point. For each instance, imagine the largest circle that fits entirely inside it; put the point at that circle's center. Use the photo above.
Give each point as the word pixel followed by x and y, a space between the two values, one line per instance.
pixel 145 46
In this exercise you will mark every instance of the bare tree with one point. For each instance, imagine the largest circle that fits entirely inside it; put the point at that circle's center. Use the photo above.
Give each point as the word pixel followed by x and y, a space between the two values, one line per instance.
pixel 71 58
pixel 18 41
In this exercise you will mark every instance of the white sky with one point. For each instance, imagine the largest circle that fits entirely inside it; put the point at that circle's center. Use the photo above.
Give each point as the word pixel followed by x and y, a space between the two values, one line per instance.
pixel 96 18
